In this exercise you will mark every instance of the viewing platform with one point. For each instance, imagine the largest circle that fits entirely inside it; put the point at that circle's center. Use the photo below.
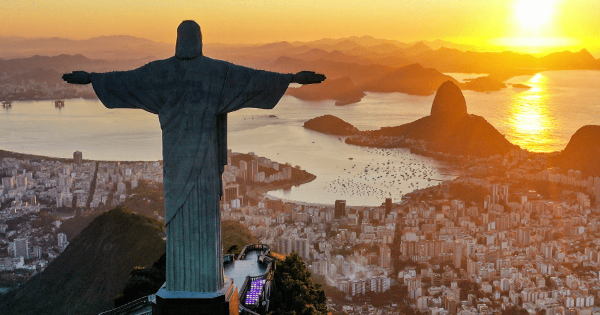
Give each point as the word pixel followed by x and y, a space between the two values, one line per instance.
pixel 251 271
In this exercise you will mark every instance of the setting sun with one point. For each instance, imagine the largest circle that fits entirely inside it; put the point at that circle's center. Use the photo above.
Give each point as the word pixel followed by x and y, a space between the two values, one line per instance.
pixel 532 14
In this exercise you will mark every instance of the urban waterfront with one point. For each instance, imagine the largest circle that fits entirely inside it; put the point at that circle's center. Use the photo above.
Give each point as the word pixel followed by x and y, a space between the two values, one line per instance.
pixel 540 119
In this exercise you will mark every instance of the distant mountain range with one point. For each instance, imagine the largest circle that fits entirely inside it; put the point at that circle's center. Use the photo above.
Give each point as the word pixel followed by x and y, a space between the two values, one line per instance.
pixel 105 47
pixel 31 67
pixel 360 64
pixel 130 47
pixel 342 90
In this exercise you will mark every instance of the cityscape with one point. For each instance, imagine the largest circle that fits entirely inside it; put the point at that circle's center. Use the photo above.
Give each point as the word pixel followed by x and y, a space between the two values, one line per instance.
pixel 300 157
pixel 475 245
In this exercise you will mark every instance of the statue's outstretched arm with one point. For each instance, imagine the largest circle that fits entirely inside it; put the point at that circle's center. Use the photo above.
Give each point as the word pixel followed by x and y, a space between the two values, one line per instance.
pixel 77 77
pixel 307 77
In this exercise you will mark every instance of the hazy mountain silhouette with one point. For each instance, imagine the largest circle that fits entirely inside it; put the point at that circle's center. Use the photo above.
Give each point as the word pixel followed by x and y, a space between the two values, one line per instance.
pixel 412 79
pixel 367 61
pixel 335 55
pixel 582 151
pixel 333 69
pixel 342 90
pixel 66 63
pixel 439 43
pixel 104 47
pixel 417 48
pixel 367 41
pixel 49 76
pixel 569 60
pixel 502 65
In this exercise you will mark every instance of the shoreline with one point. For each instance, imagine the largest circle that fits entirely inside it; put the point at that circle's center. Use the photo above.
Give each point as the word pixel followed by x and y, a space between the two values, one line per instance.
pixel 19 155
pixel 265 189
pixel 500 76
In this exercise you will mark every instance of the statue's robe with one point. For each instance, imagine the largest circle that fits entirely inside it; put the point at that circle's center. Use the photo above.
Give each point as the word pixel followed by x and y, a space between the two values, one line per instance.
pixel 192 98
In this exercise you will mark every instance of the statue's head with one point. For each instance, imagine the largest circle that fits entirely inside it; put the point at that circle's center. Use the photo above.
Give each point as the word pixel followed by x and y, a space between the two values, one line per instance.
pixel 189 40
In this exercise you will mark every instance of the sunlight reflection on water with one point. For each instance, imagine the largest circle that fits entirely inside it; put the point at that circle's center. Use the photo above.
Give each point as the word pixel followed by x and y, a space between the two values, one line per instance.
pixel 530 122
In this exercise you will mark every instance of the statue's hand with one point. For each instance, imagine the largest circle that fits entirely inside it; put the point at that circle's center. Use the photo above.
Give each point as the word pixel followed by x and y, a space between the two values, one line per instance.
pixel 77 77
pixel 307 77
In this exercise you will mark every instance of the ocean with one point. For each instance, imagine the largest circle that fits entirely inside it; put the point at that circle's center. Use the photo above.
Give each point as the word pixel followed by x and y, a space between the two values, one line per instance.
pixel 540 119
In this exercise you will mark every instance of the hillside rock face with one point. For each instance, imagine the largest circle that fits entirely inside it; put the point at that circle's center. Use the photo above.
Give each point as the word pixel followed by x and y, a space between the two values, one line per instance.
pixel 449 128
pixel 331 125
pixel 93 269
pixel 582 152
pixel 449 102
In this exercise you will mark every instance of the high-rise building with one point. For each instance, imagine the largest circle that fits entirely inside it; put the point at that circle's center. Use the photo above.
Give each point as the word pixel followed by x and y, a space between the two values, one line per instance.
pixel 276 205
pixel 385 257
pixel 21 181
pixel 524 236
pixel 287 173
pixel 321 267
pixel 458 251
pixel 121 188
pixel 357 287
pixel 284 245
pixel 37 251
pixel 230 192
pixel 243 171
pixel 8 183
pixel 62 240
pixel 253 170
pixel 505 190
pixel 302 247
pixel 494 190
pixel 388 205
pixel 340 208
pixel 21 248
pixel 77 157
pixel 547 250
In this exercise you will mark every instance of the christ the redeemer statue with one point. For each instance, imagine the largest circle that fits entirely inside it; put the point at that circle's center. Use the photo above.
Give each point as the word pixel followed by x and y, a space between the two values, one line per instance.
pixel 192 95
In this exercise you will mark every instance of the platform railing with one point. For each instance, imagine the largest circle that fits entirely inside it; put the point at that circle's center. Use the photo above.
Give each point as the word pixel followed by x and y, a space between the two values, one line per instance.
pixel 263 302
pixel 252 247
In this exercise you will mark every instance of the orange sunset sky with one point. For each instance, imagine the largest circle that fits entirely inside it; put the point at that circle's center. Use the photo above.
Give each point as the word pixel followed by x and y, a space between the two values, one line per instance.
pixel 534 26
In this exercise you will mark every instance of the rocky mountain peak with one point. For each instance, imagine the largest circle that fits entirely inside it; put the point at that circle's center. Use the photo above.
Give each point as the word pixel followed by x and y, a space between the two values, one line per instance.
pixel 449 102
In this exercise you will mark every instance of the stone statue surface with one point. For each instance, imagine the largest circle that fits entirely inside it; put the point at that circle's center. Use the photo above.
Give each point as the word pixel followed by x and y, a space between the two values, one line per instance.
pixel 192 94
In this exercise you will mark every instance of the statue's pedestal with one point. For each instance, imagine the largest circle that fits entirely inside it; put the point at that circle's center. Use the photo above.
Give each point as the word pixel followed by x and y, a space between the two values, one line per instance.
pixel 222 302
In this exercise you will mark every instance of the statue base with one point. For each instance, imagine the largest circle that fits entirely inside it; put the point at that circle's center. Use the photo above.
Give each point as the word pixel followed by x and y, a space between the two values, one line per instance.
pixel 222 302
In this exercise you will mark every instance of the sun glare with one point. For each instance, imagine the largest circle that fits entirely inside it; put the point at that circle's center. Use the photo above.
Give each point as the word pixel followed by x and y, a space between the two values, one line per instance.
pixel 533 14
pixel 530 122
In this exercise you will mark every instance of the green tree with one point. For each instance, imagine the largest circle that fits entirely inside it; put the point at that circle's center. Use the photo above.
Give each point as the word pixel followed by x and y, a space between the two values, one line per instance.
pixel 295 293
